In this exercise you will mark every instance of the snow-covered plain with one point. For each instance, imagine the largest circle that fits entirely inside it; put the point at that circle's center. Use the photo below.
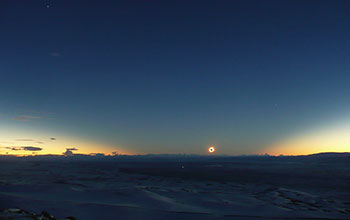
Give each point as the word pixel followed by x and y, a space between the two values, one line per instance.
pixel 312 187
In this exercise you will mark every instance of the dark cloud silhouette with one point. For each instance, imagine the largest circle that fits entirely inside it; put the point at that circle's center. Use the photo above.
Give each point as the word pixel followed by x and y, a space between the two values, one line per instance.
pixel 26 118
pixel 52 139
pixel 30 148
pixel 26 148
pixel 69 151
pixel 14 148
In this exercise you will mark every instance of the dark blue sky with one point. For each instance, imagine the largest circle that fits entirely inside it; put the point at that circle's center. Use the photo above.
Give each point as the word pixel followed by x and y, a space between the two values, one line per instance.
pixel 174 76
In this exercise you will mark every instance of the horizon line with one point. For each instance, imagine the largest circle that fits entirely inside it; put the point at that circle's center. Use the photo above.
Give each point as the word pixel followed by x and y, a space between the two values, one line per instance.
pixel 179 154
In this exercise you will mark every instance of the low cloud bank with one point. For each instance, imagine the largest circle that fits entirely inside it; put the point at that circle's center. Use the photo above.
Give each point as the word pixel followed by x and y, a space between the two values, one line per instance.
pixel 69 151
pixel 26 148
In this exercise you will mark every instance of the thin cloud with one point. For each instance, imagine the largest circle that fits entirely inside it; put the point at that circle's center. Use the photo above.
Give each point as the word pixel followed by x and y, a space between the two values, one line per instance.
pixel 13 148
pixel 26 118
pixel 25 148
pixel 52 139
pixel 71 149
pixel 30 148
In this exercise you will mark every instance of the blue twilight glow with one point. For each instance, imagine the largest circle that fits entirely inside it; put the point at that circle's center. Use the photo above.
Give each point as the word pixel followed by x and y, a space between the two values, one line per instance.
pixel 175 77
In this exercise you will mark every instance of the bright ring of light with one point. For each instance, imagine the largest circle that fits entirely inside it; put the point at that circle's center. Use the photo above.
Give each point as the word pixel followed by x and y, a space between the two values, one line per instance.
pixel 211 149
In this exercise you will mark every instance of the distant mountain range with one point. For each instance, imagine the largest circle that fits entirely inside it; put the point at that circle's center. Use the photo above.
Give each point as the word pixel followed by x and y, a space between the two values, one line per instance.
pixel 324 155
pixel 329 154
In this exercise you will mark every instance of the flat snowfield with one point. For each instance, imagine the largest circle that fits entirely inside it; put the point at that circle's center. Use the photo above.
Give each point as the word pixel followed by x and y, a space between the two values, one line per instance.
pixel 314 187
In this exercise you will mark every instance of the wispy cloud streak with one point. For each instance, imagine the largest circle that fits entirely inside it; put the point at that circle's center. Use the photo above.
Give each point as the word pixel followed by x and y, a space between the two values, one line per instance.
pixel 26 118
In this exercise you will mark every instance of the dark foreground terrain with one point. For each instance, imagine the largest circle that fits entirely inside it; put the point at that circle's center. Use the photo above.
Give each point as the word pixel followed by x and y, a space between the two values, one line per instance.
pixel 182 187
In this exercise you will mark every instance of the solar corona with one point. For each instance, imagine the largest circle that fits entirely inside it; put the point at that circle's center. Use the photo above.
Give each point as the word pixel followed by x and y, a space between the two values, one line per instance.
pixel 211 149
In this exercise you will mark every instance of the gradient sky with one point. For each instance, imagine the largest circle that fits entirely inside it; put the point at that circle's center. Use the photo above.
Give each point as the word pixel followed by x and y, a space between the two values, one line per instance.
pixel 142 77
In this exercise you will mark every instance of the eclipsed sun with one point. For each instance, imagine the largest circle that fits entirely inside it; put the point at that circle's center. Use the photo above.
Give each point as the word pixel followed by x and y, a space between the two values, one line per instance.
pixel 211 149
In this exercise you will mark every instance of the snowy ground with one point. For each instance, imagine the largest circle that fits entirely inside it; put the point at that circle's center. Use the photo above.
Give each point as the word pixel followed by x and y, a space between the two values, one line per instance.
pixel 212 188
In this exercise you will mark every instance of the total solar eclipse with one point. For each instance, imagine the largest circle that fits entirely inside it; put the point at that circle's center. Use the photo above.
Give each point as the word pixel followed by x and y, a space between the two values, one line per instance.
pixel 211 149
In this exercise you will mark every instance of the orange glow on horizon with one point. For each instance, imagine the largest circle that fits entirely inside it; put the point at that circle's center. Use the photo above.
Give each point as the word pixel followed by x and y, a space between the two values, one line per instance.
pixel 331 139
pixel 14 144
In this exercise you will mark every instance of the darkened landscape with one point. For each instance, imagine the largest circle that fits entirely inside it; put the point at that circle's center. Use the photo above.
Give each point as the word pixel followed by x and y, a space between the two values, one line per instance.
pixel 180 187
